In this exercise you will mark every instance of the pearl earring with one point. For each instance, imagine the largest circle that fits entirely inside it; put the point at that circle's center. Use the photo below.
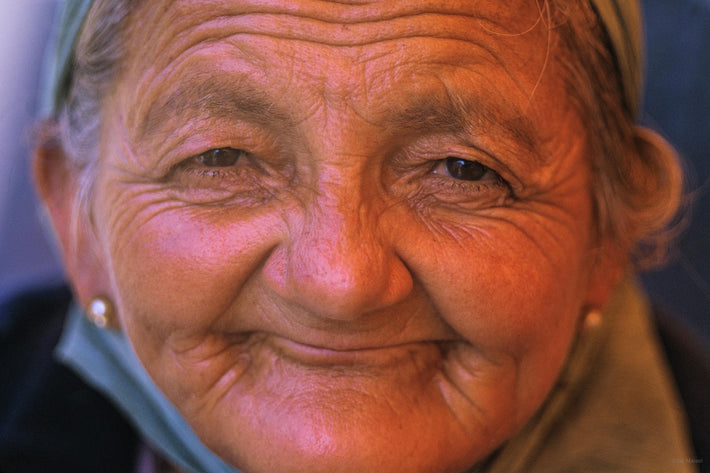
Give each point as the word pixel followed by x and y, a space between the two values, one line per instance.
pixel 592 319
pixel 101 311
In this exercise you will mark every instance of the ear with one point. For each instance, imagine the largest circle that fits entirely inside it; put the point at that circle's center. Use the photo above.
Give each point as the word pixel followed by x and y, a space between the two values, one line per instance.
pixel 609 263
pixel 58 182
pixel 652 214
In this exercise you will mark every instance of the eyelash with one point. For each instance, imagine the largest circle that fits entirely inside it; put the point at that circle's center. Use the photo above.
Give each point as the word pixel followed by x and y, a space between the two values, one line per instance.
pixel 208 173
pixel 487 187
pixel 197 183
pixel 468 187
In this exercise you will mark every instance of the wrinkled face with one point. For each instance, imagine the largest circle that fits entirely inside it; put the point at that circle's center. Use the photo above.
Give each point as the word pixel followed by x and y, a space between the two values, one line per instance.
pixel 346 237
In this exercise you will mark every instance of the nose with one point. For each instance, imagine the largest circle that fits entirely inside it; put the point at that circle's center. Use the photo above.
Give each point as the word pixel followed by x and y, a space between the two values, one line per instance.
pixel 337 263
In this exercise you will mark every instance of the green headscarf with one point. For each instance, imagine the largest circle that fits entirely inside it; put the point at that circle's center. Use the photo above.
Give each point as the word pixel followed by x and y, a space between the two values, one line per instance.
pixel 621 19
pixel 60 53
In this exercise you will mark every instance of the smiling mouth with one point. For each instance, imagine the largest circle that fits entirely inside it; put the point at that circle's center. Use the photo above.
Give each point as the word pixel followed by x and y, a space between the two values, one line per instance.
pixel 385 356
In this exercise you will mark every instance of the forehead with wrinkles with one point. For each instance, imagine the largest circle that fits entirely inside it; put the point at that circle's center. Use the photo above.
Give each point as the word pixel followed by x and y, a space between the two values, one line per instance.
pixel 344 23
pixel 189 57
pixel 358 31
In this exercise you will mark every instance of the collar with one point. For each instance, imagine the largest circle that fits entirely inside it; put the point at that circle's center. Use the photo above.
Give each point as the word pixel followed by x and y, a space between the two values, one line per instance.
pixel 105 360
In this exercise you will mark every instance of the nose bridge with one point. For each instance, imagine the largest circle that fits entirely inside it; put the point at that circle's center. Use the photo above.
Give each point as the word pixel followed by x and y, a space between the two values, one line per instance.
pixel 338 265
pixel 341 234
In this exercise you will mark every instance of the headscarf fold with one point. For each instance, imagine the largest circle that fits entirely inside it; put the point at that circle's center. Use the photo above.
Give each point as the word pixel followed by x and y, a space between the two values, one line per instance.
pixel 105 360
pixel 59 58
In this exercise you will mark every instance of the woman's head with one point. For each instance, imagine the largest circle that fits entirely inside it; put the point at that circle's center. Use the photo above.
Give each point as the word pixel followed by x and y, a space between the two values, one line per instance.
pixel 341 231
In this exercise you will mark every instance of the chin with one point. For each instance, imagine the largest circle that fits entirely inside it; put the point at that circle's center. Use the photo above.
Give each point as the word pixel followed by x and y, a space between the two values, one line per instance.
pixel 305 449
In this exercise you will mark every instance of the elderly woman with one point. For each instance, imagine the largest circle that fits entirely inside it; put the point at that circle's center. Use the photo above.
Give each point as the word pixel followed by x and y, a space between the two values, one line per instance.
pixel 320 236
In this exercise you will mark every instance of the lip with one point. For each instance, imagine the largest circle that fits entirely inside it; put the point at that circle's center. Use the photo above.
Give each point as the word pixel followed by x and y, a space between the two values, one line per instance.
pixel 367 356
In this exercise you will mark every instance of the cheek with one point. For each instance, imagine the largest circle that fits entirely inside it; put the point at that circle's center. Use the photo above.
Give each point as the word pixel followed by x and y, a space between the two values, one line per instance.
pixel 512 294
pixel 178 271
pixel 508 297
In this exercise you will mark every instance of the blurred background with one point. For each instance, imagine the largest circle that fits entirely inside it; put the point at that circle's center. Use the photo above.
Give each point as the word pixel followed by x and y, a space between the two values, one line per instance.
pixel 677 104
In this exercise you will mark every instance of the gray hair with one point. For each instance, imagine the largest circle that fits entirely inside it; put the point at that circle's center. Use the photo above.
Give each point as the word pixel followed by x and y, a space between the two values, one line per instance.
pixel 97 57
pixel 637 176
pixel 637 188
pixel 94 67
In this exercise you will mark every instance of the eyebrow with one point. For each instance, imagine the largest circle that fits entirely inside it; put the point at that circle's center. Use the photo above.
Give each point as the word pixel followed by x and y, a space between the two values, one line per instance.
pixel 211 97
pixel 460 114
pixel 428 114
pixel 469 114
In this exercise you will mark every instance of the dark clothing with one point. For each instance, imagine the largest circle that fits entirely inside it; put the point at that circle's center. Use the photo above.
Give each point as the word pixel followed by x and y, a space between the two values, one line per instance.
pixel 690 364
pixel 50 420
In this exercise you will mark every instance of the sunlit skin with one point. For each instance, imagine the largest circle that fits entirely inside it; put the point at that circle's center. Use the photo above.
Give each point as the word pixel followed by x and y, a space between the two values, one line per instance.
pixel 335 290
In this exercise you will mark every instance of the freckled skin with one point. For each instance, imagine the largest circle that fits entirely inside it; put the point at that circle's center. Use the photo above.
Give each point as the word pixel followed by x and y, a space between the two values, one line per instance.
pixel 335 302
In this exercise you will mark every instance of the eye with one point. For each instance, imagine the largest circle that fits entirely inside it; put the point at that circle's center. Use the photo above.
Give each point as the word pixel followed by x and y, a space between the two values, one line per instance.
pixel 464 169
pixel 219 157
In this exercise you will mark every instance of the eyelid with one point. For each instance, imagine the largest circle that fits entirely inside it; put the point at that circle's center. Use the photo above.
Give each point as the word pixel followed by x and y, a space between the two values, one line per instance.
pixel 195 136
pixel 473 152
pixel 230 157
pixel 429 152
pixel 441 167
pixel 490 179
pixel 434 149
pixel 243 162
